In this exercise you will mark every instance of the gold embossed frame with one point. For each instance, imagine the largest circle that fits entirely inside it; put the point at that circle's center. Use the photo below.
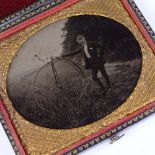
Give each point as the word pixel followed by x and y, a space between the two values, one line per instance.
pixel 41 139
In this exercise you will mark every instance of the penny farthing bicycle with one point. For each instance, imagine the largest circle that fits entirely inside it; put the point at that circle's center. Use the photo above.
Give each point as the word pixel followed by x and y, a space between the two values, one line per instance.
pixel 58 81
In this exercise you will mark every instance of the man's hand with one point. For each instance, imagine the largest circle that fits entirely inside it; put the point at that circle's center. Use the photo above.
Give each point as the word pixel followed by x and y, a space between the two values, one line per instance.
pixel 82 63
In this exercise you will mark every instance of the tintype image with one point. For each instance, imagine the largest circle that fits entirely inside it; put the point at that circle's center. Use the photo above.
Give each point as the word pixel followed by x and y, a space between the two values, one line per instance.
pixel 74 72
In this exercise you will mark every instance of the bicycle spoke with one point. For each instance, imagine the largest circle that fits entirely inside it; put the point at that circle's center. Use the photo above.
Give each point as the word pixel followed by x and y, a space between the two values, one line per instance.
pixel 57 86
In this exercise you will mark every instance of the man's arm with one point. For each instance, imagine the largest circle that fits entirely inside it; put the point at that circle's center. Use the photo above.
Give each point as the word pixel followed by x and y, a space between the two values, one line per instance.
pixel 86 50
pixel 72 53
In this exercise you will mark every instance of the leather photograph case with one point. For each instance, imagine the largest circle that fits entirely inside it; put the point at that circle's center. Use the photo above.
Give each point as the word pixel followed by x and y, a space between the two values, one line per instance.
pixel 74 72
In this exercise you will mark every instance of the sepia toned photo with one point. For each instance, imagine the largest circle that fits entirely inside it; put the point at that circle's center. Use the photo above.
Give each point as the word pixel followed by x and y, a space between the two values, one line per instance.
pixel 74 72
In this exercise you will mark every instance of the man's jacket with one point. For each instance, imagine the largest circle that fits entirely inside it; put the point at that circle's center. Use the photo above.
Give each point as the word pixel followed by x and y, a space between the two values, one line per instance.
pixel 96 51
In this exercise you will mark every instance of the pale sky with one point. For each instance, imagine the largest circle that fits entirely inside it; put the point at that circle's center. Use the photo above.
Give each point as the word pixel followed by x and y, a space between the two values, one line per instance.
pixel 45 43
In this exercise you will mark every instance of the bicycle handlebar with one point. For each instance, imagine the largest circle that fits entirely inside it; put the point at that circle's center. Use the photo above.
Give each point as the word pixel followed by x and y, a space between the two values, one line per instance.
pixel 47 58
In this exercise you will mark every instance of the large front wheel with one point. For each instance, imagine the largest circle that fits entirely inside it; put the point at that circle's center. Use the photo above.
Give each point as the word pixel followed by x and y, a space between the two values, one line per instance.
pixel 59 82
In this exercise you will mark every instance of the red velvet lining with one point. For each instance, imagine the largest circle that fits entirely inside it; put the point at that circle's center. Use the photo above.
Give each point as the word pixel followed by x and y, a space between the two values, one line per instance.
pixel 36 18
pixel 8 7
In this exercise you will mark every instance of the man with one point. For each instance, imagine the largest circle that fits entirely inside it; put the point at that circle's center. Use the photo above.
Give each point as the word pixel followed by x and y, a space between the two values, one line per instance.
pixel 93 57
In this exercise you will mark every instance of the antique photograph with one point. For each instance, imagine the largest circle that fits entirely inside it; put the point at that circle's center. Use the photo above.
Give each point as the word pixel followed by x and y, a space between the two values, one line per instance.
pixel 74 72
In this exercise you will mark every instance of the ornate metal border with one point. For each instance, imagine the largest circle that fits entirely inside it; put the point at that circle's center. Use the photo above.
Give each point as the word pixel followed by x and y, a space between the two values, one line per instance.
pixel 7 131
pixel 111 132
pixel 142 19
pixel 44 5
pixel 133 120
pixel 27 13
pixel 127 122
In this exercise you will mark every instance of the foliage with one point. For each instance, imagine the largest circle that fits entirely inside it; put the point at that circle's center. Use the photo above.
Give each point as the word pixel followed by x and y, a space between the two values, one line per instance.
pixel 119 41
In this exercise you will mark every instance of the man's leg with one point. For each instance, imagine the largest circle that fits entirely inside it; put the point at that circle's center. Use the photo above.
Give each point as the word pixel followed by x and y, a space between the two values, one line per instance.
pixel 96 79
pixel 105 75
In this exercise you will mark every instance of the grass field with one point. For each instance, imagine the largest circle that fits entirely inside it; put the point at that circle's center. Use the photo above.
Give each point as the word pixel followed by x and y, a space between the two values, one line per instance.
pixel 67 105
